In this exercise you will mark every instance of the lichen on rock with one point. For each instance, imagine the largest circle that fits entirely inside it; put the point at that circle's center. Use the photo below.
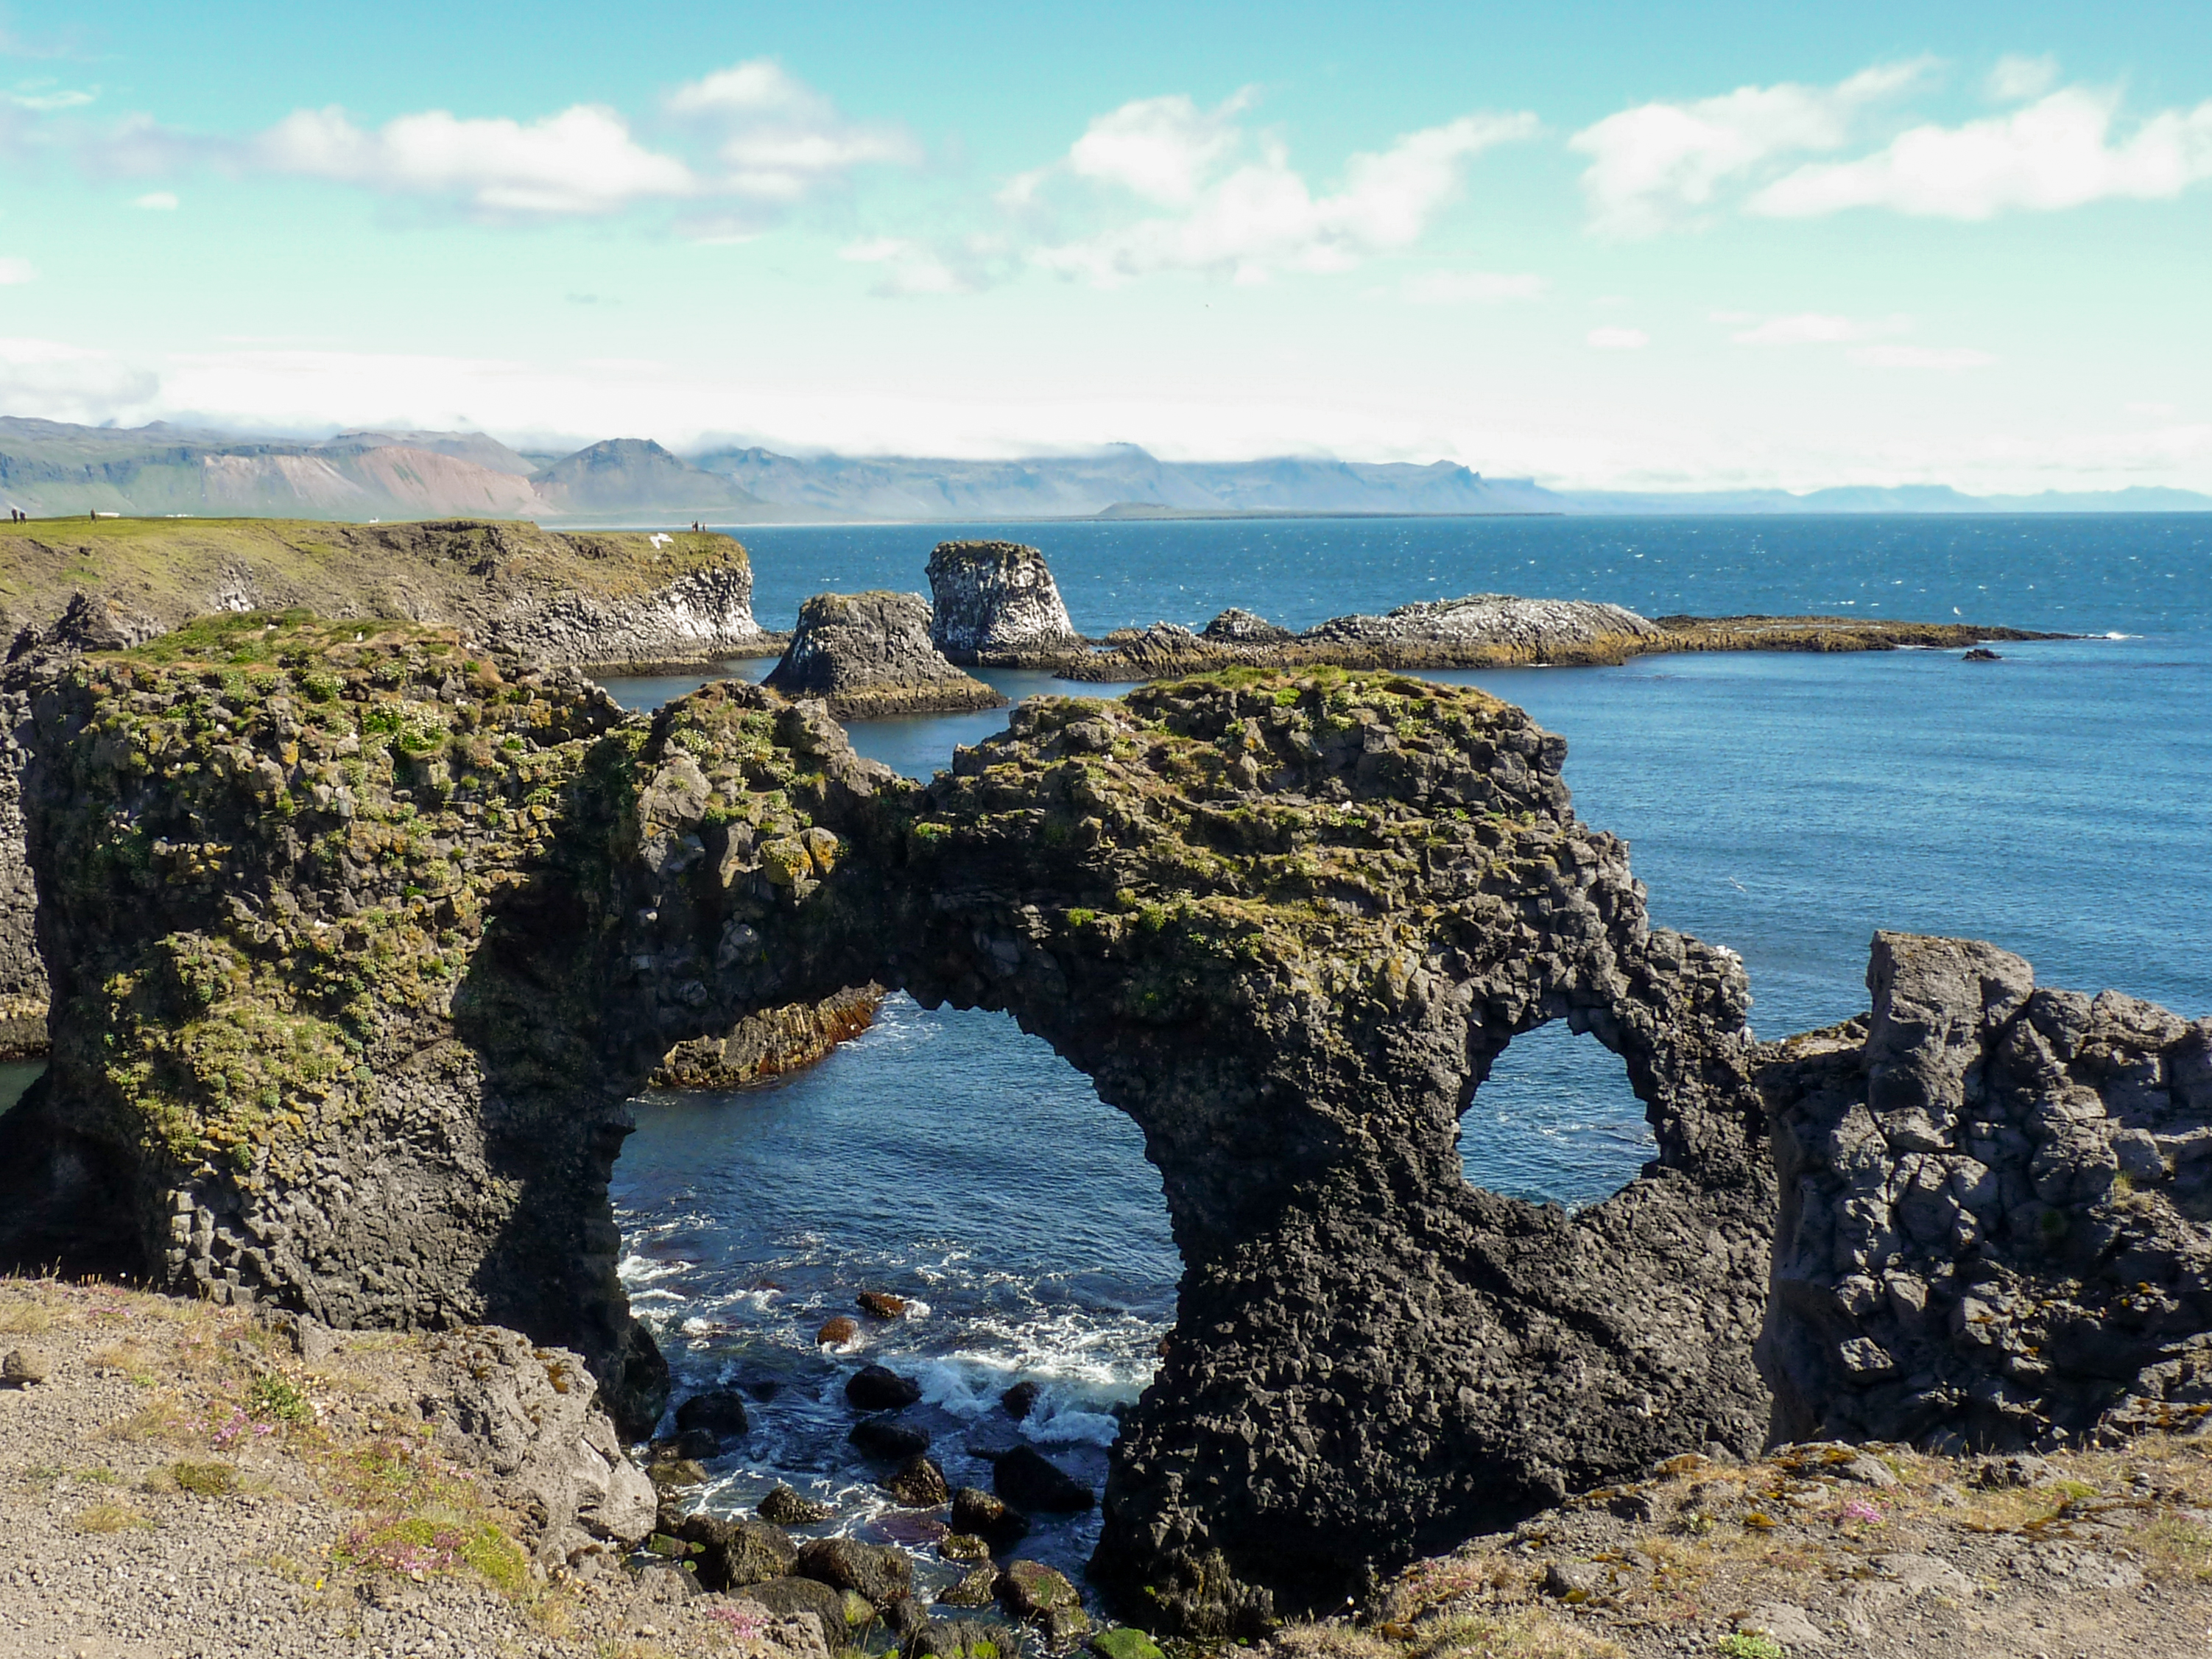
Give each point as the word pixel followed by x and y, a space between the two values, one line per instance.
pixel 769 1043
pixel 360 945
pixel 995 603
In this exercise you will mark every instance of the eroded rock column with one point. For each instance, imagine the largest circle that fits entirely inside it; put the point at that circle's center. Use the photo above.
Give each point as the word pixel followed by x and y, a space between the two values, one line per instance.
pixel 1993 1211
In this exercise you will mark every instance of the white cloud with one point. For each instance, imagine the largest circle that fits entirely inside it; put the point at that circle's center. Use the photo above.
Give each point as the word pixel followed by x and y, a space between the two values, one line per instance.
pixel 1619 339
pixel 1913 356
pixel 582 161
pixel 44 97
pixel 58 382
pixel 1809 328
pixel 1163 148
pixel 776 138
pixel 1660 163
pixel 1253 220
pixel 2057 152
pixel 2015 77
pixel 14 270
pixel 909 268
pixel 1481 288
pixel 159 201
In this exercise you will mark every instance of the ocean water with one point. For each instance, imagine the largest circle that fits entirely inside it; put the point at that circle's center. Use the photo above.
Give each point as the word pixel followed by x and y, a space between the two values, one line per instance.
pixel 1787 805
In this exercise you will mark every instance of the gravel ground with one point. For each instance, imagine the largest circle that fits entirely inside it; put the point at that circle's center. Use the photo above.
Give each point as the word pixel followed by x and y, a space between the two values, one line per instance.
pixel 110 1553
pixel 1837 1551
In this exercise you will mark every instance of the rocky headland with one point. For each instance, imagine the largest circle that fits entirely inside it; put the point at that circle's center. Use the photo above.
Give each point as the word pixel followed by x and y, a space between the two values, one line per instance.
pixel 1486 630
pixel 869 655
pixel 588 599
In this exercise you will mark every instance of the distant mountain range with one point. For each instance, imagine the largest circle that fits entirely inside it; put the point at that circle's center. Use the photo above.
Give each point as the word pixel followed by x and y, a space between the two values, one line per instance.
pixel 48 468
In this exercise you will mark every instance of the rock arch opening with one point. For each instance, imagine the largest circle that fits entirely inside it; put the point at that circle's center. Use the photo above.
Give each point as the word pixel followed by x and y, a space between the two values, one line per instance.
pixel 1555 1120
pixel 947 1161
pixel 1277 919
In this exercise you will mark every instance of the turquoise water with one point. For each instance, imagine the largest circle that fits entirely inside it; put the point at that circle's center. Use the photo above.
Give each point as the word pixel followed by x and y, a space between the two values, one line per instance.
pixel 1786 806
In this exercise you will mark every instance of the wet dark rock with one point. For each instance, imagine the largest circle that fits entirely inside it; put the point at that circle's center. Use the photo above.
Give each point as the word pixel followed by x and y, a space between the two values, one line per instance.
pixel 880 1389
pixel 881 1304
pixel 667 1470
pixel 978 1588
pixel 981 1515
pixel 785 1596
pixel 1963 1256
pixel 1030 1589
pixel 887 1439
pixel 1018 1400
pixel 692 1445
pixel 719 1411
pixel 732 1553
pixel 869 655
pixel 875 1572
pixel 838 1331
pixel 786 1508
pixel 918 1484
pixel 906 1618
pixel 1981 653
pixel 1028 1481
pixel 996 603
pixel 963 1547
pixel 988 1441
pixel 960 1638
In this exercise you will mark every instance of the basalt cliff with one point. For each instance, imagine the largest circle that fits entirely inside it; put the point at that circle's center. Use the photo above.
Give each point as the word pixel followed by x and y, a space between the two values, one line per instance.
pixel 361 938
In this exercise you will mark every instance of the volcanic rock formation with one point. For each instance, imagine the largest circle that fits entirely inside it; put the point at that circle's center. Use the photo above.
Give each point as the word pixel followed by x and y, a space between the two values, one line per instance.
pixel 769 1043
pixel 360 945
pixel 869 655
pixel 1994 1200
pixel 995 603
pixel 36 658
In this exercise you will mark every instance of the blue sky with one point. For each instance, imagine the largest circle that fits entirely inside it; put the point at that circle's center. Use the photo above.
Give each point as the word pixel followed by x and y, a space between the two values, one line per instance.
pixel 1606 246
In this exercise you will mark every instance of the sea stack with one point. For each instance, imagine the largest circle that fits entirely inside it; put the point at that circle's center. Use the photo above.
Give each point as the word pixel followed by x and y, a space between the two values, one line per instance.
pixel 997 604
pixel 869 654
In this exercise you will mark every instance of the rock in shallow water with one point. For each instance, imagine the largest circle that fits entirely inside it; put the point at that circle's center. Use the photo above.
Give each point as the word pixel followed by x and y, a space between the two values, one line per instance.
pixel 880 1389
pixel 888 1439
pixel 877 1573
pixel 719 1411
pixel 1028 1481
pixel 869 655
pixel 735 1553
pixel 785 1508
pixel 918 1484
pixel 977 1514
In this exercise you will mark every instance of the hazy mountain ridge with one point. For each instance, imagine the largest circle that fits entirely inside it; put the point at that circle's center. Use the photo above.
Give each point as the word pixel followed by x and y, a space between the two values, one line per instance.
pixel 50 467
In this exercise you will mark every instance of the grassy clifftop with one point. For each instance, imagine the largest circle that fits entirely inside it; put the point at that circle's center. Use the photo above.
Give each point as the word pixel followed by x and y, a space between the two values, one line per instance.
pixel 455 571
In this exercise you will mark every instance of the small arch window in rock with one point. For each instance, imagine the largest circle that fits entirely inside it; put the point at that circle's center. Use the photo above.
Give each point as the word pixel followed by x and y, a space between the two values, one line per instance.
pixel 1555 1121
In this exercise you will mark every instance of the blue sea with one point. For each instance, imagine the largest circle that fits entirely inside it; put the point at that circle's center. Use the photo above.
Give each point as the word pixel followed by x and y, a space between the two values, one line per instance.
pixel 1787 805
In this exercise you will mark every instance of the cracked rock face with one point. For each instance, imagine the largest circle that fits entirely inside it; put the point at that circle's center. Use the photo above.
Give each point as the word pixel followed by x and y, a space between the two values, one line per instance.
pixel 1995 1200
pixel 870 654
pixel 36 658
pixel 996 602
pixel 361 947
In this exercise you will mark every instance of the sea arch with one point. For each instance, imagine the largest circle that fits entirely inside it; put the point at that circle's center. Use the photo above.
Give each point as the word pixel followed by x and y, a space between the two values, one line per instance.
pixel 1281 920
